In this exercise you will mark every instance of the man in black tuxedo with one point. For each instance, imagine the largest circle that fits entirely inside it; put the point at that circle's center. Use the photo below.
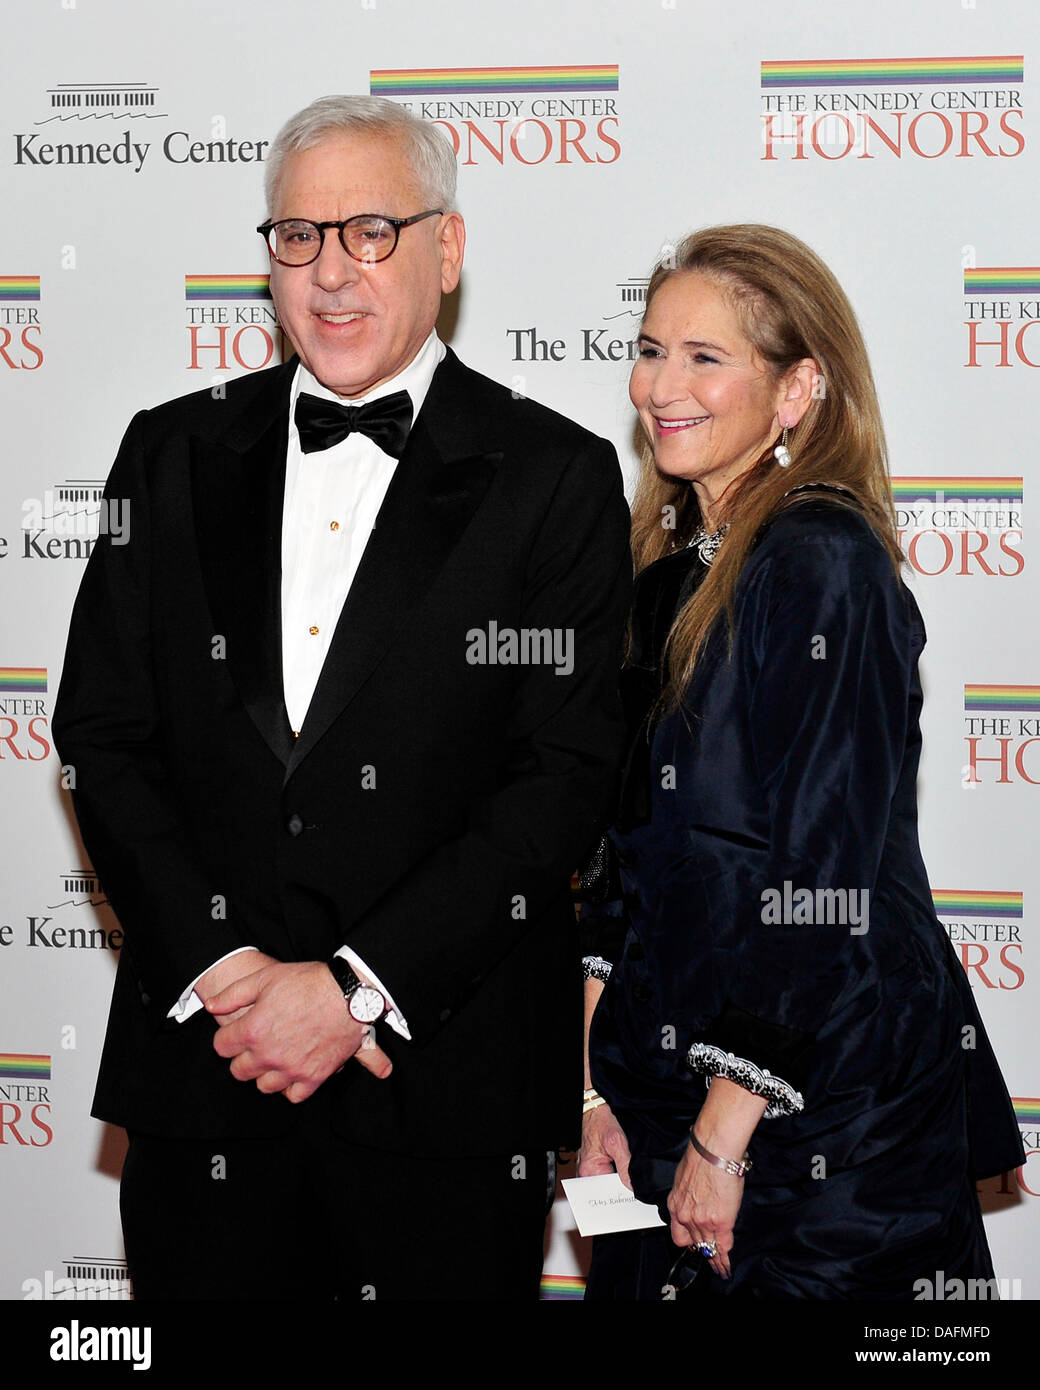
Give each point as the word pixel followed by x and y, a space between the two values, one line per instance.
pixel 341 713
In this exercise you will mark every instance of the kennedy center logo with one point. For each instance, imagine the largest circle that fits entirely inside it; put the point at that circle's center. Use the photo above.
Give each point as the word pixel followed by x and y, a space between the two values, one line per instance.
pixel 231 323
pixel 964 526
pixel 892 108
pixel 985 928
pixel 88 101
pixel 129 148
pixel 79 888
pixel 1002 304
pixel 631 298
pixel 1027 1178
pixel 43 931
pixel 65 522
pixel 25 1099
pixel 20 348
pixel 525 116
pixel 614 343
pixel 84 1278
pixel 23 714
pixel 1002 729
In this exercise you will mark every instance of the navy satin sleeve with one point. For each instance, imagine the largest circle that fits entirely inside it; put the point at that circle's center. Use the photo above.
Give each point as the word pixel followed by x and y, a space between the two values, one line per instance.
pixel 826 643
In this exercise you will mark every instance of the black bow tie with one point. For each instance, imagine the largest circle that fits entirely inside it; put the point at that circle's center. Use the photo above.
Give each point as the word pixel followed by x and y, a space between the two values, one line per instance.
pixel 321 424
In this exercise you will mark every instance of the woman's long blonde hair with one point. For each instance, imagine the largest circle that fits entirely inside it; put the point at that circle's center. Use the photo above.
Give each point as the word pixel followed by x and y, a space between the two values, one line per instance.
pixel 790 307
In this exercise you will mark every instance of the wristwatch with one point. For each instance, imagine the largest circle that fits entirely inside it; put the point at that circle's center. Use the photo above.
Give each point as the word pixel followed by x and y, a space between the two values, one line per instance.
pixel 364 1004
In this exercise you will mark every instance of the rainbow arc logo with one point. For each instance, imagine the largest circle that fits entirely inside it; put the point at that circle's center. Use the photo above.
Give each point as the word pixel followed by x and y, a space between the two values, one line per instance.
pixel 562 1287
pixel 19 289
pixel 962 902
pixel 22 680
pixel 995 279
pixel 949 489
pixel 1027 1110
pixel 25 1066
pixel 199 288
pixel 417 82
pixel 890 72
pixel 1016 698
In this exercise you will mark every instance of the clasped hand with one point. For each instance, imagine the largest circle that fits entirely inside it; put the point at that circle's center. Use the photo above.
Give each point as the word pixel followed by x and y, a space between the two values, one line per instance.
pixel 285 1026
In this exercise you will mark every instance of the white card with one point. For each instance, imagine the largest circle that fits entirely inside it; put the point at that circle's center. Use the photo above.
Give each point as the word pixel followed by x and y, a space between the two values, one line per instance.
pixel 604 1203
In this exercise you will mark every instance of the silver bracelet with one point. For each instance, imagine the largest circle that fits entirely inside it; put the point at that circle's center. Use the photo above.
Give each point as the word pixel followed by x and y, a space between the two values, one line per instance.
pixel 736 1167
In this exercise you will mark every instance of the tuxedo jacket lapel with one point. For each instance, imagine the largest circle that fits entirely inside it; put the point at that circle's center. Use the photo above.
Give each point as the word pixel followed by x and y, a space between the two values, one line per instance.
pixel 238 486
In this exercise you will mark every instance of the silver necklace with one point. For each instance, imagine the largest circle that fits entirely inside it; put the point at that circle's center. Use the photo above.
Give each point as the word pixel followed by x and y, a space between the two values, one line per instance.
pixel 708 546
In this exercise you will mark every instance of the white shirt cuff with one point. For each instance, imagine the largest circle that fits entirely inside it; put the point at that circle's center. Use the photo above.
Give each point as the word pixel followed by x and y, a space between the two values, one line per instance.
pixel 394 1016
pixel 190 1003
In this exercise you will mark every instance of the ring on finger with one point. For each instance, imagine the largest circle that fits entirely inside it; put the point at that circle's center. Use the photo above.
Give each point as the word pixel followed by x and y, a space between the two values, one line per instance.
pixel 708 1249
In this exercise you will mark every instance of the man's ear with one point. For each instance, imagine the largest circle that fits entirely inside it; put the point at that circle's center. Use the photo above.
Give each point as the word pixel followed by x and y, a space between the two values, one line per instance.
pixel 452 242
pixel 802 385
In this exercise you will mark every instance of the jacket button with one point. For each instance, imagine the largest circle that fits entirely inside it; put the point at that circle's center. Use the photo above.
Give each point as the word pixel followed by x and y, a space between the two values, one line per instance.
pixel 445 1015
pixel 641 993
pixel 636 952
pixel 294 825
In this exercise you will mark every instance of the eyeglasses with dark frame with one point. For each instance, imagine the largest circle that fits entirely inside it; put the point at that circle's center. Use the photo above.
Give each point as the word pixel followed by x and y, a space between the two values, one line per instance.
pixel 367 237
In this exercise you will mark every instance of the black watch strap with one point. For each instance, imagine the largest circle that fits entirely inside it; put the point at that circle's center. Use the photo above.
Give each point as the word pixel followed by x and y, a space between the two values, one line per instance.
pixel 344 975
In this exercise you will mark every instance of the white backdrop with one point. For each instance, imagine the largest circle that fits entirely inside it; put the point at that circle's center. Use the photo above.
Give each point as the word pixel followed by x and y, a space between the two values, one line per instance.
pixel 902 142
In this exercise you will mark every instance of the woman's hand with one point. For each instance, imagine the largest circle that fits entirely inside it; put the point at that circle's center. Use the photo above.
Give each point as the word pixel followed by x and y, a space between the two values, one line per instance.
pixel 704 1202
pixel 603 1145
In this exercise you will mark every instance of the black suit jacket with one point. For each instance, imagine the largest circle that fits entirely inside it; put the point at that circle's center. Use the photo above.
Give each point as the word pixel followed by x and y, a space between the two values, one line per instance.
pixel 431 811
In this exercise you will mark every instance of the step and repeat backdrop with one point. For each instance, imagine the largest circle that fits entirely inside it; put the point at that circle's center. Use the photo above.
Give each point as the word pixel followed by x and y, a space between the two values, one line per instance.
pixel 902 142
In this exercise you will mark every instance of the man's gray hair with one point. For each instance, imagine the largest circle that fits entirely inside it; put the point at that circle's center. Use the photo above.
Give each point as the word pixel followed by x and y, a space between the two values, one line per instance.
pixel 431 155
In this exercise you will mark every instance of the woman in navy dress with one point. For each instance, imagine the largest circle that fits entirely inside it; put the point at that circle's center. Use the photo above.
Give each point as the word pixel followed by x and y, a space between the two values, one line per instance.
pixel 784 1051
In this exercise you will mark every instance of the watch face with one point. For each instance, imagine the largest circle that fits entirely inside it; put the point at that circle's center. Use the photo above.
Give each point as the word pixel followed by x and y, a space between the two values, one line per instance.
pixel 366 1005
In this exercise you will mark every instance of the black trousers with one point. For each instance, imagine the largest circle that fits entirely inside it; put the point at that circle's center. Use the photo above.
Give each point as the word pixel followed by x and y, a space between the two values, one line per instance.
pixel 307 1216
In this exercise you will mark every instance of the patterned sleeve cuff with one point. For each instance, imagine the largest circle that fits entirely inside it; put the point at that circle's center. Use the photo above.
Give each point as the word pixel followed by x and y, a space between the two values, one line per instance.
pixel 595 968
pixel 711 1061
